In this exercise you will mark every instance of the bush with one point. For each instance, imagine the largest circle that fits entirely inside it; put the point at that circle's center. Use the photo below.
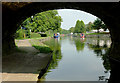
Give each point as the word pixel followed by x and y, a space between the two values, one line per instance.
pixel 20 34
pixel 35 35
pixel 27 32
pixel 50 33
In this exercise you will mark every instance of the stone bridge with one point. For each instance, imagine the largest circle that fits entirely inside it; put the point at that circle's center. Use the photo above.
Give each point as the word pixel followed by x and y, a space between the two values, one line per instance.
pixel 15 13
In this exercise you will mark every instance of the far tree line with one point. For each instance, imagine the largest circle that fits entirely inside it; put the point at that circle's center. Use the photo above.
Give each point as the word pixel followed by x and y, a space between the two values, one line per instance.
pixel 80 27
pixel 49 22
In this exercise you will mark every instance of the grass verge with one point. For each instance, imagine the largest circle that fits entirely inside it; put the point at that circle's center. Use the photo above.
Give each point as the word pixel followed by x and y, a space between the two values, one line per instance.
pixel 43 49
pixel 101 33
pixel 40 46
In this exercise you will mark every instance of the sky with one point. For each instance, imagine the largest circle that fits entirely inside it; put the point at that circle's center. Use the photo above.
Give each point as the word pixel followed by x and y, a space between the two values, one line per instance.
pixel 70 17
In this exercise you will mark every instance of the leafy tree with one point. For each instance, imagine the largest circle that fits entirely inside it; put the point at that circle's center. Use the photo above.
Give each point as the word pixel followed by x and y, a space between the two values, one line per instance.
pixel 41 22
pixel 97 24
pixel 64 31
pixel 104 27
pixel 71 29
pixel 20 34
pixel 89 26
pixel 82 28
pixel 79 27
pixel 59 30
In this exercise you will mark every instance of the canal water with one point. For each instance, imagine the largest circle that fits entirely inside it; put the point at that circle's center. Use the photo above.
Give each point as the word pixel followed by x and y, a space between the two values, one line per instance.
pixel 76 59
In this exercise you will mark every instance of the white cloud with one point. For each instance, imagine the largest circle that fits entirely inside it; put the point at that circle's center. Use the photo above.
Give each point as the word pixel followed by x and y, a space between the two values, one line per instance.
pixel 70 17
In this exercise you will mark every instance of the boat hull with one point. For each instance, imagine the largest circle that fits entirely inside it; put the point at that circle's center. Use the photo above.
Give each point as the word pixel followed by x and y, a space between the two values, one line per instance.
pixel 56 36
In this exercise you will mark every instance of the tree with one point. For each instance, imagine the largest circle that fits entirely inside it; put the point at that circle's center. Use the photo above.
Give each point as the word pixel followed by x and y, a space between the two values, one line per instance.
pixel 64 31
pixel 97 24
pixel 79 27
pixel 104 27
pixel 71 29
pixel 89 26
pixel 41 22
pixel 82 27
pixel 59 30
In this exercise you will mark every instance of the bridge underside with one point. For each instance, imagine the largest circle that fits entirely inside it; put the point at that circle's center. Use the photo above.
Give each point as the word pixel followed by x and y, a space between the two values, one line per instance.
pixel 14 13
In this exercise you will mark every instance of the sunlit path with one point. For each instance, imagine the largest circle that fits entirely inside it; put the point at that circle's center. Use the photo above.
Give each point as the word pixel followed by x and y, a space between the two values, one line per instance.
pixel 24 45
pixel 23 66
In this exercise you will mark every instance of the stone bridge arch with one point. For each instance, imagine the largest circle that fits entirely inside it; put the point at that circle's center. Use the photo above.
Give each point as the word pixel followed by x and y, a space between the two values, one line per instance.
pixel 14 13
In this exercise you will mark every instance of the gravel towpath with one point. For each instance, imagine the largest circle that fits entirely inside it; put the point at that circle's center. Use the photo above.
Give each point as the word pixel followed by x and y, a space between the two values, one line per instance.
pixel 23 66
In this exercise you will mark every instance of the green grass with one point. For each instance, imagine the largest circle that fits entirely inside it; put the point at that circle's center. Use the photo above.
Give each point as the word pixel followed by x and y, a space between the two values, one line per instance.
pixel 40 46
pixel 102 33
pixel 43 49
pixel 32 36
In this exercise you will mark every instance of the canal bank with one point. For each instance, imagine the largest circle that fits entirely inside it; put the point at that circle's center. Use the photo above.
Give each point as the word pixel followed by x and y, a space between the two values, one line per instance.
pixel 24 65
pixel 73 59
pixel 98 36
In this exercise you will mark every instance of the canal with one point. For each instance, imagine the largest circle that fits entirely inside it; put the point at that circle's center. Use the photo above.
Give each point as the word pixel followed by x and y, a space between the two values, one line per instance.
pixel 76 59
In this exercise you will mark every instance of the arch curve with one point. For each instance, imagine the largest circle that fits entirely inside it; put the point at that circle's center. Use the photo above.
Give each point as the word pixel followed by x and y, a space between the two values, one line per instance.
pixel 15 13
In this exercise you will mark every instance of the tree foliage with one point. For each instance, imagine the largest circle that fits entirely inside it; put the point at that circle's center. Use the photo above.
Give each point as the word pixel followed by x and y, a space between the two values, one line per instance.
pixel 41 22
pixel 71 29
pixel 64 31
pixel 79 27
pixel 98 24
pixel 89 26
pixel 104 27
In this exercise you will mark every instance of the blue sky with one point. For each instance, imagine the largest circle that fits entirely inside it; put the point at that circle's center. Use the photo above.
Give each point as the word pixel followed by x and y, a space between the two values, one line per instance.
pixel 70 17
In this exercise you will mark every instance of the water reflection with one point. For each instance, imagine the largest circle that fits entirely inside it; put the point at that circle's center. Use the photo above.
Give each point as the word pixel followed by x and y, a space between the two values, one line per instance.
pixel 79 43
pixel 56 56
pixel 64 52
pixel 101 49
